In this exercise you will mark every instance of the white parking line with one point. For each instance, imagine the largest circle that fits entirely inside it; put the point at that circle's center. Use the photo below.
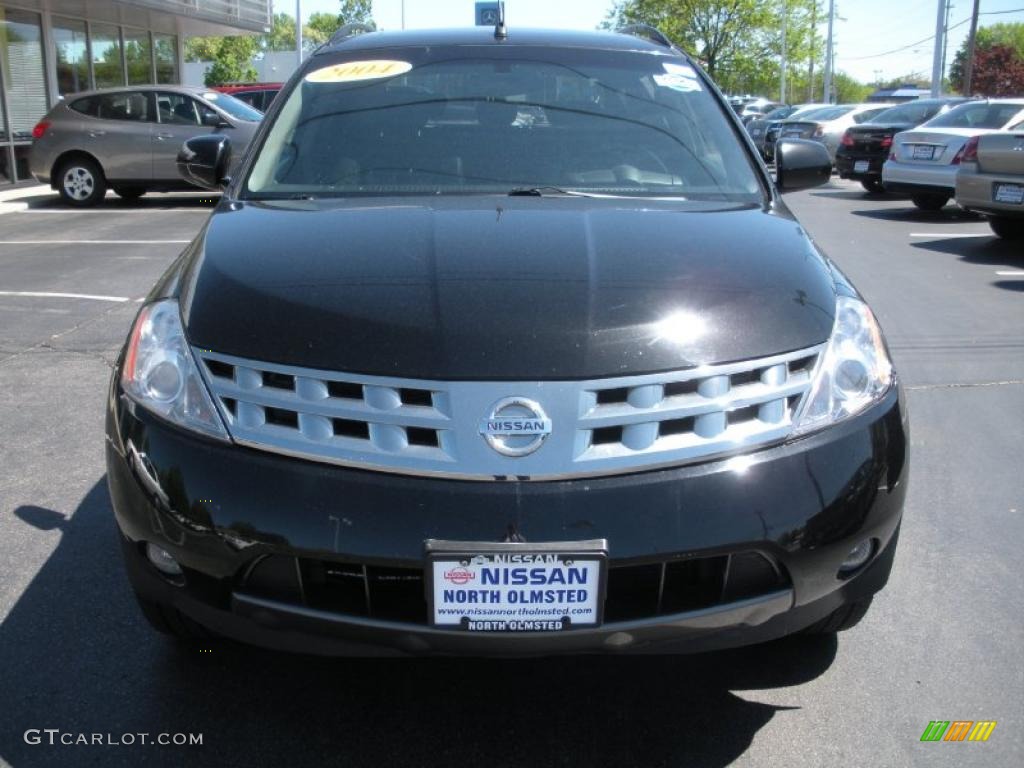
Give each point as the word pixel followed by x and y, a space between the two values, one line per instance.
pixel 948 235
pixel 93 242
pixel 46 295
pixel 1009 273
pixel 118 210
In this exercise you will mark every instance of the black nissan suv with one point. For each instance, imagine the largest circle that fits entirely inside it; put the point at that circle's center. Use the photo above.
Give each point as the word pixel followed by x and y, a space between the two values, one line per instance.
pixel 864 148
pixel 502 341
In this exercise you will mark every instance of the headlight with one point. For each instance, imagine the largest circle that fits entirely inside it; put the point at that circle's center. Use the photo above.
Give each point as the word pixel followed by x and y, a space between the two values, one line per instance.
pixel 854 370
pixel 160 374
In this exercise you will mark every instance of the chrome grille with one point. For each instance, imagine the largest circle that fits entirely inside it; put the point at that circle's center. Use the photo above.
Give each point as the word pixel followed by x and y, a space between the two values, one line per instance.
pixel 603 426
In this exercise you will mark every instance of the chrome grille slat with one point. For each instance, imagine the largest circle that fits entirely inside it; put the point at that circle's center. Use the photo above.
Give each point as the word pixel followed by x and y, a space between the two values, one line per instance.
pixel 603 426
pixel 406 415
pixel 682 406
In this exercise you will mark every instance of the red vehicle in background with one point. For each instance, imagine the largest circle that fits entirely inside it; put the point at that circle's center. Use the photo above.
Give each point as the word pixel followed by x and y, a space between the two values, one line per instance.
pixel 258 95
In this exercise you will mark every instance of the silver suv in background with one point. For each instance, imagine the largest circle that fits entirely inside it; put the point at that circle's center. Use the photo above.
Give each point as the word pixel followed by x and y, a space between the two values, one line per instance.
pixel 128 139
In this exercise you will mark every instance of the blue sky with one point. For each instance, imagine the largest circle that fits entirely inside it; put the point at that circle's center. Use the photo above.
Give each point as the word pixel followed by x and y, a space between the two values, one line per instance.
pixel 865 28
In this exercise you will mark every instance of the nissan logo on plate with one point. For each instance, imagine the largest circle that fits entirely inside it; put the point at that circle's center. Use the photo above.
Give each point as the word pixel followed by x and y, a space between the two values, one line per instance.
pixel 515 426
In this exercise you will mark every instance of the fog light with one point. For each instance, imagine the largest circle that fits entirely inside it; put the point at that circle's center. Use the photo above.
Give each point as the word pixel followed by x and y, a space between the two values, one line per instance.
pixel 162 560
pixel 858 556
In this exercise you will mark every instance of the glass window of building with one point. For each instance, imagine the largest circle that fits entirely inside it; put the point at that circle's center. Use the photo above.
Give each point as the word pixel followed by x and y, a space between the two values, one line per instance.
pixel 138 56
pixel 21 171
pixel 107 65
pixel 166 58
pixel 71 55
pixel 21 60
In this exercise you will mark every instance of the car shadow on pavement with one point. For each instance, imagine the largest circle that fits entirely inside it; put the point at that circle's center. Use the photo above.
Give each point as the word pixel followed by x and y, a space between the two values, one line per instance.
pixel 988 250
pixel 948 215
pixel 77 656
pixel 858 195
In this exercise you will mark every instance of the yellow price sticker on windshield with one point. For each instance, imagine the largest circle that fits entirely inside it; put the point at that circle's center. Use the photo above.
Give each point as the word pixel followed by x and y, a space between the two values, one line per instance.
pixel 352 71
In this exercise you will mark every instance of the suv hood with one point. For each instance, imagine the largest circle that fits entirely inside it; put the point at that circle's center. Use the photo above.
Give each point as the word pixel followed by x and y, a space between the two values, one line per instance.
pixel 504 288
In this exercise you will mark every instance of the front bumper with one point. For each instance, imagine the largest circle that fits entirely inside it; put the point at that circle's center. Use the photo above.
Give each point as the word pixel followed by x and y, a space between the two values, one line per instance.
pixel 222 511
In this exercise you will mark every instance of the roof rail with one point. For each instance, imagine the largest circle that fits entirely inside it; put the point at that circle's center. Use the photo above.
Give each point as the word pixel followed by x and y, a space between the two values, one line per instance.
pixel 647 32
pixel 351 30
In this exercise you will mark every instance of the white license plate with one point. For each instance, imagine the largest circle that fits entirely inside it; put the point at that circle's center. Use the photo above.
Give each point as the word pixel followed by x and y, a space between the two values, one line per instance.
pixel 1009 193
pixel 792 134
pixel 756 132
pixel 861 166
pixel 923 152
pixel 516 589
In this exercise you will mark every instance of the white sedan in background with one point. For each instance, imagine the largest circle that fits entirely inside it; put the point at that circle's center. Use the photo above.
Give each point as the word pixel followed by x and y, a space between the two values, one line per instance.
pixel 924 161
pixel 828 124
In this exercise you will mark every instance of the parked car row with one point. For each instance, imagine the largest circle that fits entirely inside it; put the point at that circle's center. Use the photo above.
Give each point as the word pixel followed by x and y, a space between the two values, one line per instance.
pixel 936 150
pixel 924 162
pixel 864 148
pixel 933 150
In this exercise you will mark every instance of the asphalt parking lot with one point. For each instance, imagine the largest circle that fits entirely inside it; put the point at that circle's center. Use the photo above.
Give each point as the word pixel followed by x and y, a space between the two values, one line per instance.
pixel 943 642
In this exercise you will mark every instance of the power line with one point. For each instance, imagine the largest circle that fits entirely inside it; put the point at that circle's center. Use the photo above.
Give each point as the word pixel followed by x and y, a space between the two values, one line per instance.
pixel 905 47
pixel 929 38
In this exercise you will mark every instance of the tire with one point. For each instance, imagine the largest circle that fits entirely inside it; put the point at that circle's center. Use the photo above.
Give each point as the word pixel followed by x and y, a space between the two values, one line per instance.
pixel 1008 229
pixel 842 618
pixel 873 186
pixel 930 202
pixel 170 621
pixel 80 182
pixel 129 193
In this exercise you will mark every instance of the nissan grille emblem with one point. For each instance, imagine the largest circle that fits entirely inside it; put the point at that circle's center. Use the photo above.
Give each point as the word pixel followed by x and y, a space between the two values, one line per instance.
pixel 515 426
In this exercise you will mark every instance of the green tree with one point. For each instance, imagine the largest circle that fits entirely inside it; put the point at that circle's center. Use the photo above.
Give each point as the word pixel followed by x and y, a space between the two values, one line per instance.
pixel 1010 35
pixel 282 34
pixel 739 42
pixel 849 90
pixel 320 26
pixel 232 61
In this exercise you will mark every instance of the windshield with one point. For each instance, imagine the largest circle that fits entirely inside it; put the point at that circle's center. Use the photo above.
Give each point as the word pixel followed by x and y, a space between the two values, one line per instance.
pixel 451 121
pixel 779 113
pixel 977 114
pixel 233 106
pixel 912 113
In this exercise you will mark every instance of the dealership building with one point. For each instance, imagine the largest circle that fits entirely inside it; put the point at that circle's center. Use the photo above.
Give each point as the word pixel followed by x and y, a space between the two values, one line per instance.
pixel 49 48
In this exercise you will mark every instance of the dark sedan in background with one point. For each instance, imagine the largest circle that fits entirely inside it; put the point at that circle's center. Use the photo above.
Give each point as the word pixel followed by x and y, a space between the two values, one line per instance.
pixel 864 148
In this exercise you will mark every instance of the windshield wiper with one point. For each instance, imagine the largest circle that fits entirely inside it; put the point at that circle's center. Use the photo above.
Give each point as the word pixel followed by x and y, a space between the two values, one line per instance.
pixel 545 190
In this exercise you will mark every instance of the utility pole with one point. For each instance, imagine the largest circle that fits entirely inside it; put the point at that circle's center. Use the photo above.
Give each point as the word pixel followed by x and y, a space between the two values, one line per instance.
pixel 814 45
pixel 785 63
pixel 828 52
pixel 945 36
pixel 298 30
pixel 403 14
pixel 937 56
pixel 969 64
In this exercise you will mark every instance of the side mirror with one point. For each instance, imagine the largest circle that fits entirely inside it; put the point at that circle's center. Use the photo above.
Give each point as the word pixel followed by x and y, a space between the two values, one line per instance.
pixel 213 120
pixel 204 161
pixel 800 164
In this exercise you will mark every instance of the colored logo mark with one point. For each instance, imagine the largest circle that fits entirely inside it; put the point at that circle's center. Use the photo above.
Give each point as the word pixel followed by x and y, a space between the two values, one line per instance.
pixel 958 730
